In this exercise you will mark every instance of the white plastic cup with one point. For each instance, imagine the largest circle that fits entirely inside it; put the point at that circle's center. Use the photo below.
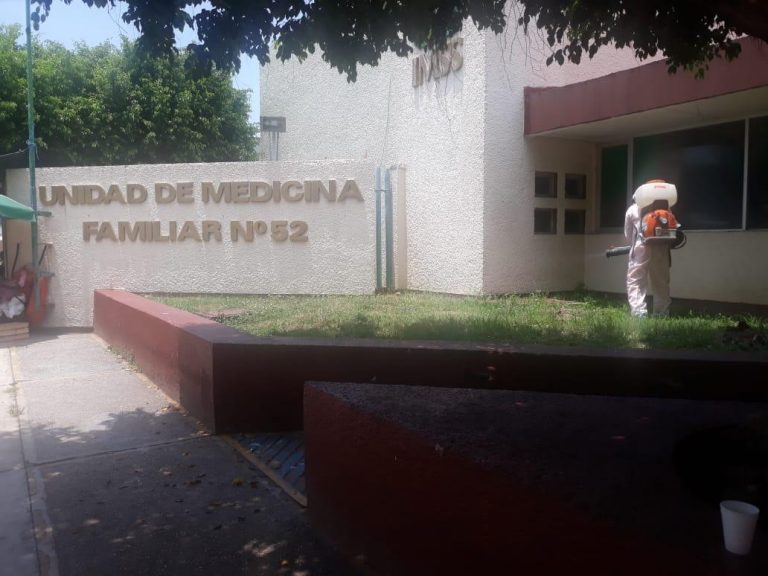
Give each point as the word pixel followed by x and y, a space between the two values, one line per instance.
pixel 739 521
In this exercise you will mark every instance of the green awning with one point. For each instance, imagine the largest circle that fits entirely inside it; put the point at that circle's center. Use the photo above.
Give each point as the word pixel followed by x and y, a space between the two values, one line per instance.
pixel 9 208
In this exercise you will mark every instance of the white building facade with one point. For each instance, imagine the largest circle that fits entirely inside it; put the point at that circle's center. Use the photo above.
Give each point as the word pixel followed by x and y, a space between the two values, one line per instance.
pixel 511 176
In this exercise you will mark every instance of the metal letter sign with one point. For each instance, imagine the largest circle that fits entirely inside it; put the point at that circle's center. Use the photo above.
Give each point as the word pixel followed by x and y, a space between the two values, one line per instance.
pixel 435 65
pixel 273 123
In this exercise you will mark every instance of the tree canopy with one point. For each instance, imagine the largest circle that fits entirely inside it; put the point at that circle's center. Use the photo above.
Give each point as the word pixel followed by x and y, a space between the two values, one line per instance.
pixel 108 105
pixel 356 32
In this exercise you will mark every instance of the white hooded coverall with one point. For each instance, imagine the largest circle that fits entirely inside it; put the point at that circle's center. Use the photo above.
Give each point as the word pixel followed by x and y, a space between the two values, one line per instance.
pixel 648 268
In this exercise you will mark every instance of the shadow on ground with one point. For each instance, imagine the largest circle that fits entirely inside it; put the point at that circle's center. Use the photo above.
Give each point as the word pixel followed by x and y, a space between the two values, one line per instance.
pixel 171 504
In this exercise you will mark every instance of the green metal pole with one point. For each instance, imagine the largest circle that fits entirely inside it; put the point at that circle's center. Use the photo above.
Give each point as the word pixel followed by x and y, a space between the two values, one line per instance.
pixel 32 152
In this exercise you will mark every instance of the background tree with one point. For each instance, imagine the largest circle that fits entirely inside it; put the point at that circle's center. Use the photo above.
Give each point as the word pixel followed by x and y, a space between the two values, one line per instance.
pixel 108 105
pixel 13 86
pixel 358 31
pixel 688 33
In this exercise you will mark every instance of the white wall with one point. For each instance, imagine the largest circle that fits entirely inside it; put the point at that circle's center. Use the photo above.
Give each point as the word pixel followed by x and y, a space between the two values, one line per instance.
pixel 337 258
pixel 434 131
pixel 516 260
pixel 400 227
pixel 469 170
pixel 720 266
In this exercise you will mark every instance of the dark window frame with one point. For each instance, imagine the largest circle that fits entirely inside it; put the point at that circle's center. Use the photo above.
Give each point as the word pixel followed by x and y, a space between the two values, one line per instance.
pixel 757 174
pixel 583 227
pixel 582 179
pixel 552 220
pixel 706 163
pixel 602 202
pixel 751 193
pixel 541 174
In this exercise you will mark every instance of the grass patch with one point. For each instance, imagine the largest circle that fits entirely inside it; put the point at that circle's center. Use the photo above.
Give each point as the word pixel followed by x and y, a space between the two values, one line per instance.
pixel 573 319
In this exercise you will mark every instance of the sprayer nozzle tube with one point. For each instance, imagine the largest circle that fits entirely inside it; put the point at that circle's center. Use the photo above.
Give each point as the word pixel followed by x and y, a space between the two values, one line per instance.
pixel 620 251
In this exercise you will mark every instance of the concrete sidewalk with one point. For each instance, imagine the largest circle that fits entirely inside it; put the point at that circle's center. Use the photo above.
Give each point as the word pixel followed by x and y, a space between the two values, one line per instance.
pixel 101 474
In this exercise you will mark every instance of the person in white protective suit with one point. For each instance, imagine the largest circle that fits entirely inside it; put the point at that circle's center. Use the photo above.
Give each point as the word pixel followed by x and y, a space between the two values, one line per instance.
pixel 648 269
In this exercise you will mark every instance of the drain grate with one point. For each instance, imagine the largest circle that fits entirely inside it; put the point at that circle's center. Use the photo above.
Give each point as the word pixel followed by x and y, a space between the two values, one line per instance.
pixel 280 456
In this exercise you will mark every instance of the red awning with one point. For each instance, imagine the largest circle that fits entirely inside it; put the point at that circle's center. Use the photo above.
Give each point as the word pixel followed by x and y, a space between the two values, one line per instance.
pixel 647 88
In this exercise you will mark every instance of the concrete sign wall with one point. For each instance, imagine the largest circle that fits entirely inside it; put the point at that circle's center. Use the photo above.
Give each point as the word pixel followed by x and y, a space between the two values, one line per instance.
pixel 261 228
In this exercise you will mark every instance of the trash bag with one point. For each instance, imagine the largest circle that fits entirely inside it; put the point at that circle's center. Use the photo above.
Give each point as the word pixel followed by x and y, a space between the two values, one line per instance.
pixel 13 307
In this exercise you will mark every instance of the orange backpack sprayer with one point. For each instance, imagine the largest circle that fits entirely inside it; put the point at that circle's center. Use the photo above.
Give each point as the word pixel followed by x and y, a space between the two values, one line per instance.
pixel 658 225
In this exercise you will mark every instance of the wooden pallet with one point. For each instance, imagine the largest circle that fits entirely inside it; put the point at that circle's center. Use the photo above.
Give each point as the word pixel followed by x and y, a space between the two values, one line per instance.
pixel 280 456
pixel 13 331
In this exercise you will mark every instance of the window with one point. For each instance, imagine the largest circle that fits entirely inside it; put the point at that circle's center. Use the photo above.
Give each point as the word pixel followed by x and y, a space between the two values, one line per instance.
pixel 546 185
pixel 576 186
pixel 757 174
pixel 613 186
pixel 706 165
pixel 545 220
pixel 575 221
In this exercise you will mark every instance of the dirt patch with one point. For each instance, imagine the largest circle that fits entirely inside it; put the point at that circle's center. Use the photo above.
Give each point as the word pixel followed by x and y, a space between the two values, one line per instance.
pixel 224 313
pixel 744 337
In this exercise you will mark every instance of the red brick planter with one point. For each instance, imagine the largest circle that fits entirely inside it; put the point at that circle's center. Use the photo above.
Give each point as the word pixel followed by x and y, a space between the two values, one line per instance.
pixel 233 381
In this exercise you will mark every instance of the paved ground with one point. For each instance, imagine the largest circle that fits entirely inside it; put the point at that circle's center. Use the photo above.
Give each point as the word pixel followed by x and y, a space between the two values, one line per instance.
pixel 101 474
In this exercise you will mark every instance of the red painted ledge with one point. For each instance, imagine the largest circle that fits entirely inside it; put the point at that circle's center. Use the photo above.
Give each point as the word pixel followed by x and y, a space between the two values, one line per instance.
pixel 235 382
pixel 645 87
pixel 173 348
